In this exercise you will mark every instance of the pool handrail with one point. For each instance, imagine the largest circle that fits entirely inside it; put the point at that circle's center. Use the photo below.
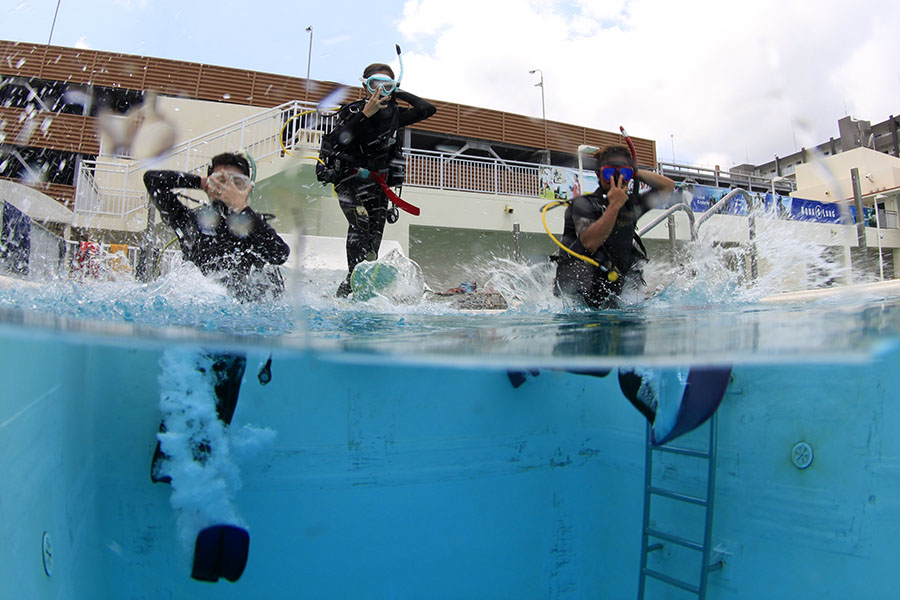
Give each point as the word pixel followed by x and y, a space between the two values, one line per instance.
pixel 682 205
pixel 717 208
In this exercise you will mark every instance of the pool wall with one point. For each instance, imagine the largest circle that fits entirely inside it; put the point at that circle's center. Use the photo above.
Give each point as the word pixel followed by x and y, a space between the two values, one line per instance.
pixel 392 481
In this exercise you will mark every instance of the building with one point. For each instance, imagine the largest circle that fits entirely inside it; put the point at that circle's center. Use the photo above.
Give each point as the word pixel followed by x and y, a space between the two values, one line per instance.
pixel 882 137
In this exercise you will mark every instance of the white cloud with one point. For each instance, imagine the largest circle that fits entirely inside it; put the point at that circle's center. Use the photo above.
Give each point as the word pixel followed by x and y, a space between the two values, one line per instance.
pixel 728 79
pixel 82 44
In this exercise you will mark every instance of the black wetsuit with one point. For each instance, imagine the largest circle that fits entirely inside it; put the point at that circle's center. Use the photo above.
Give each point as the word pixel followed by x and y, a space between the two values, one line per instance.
pixel 371 143
pixel 238 249
pixel 620 253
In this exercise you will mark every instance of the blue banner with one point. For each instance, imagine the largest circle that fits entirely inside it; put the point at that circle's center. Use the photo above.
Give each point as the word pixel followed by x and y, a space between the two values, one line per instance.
pixel 779 206
pixel 704 197
pixel 817 212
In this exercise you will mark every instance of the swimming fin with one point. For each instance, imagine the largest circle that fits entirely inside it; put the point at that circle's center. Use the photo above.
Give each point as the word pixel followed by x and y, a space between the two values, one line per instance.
pixel 630 383
pixel 702 396
pixel 517 378
pixel 228 370
pixel 220 551
pixel 159 459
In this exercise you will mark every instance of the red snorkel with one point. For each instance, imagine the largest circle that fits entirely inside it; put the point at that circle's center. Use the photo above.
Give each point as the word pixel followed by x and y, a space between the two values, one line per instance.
pixel 630 144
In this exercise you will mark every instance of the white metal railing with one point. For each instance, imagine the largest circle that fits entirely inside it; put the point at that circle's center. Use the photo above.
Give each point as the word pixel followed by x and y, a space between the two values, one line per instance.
pixel 114 187
pixel 472 174
pixel 108 189
pixel 720 176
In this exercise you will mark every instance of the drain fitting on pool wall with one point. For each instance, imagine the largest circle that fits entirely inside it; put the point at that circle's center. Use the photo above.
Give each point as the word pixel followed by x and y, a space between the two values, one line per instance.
pixel 802 455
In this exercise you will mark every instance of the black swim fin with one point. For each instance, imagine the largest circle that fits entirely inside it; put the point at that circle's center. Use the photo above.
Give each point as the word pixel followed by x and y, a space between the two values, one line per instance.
pixel 159 457
pixel 517 378
pixel 220 551
pixel 265 372
pixel 228 370
pixel 630 383
pixel 591 372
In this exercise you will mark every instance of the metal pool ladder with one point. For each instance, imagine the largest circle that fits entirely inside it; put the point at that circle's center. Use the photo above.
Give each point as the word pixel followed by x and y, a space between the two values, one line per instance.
pixel 650 490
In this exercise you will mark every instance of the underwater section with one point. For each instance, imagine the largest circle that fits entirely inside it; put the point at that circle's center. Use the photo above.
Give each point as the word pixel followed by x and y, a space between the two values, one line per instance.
pixel 436 479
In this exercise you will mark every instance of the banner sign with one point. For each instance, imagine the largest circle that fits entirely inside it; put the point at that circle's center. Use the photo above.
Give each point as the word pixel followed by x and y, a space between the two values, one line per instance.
pixel 778 205
pixel 705 197
pixel 817 212
pixel 558 183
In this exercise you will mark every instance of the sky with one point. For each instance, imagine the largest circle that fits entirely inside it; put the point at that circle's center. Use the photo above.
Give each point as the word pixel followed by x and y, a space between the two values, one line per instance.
pixel 713 82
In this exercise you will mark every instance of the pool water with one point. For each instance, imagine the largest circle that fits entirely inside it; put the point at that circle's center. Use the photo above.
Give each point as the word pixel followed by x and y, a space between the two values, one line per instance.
pixel 390 457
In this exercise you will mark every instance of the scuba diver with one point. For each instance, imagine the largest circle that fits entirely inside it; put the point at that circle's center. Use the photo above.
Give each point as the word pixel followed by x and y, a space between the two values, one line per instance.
pixel 226 239
pixel 363 158
pixel 600 252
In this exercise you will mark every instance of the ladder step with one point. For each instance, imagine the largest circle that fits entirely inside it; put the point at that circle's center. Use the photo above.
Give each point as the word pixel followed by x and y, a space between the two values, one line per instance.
pixel 674 539
pixel 672 581
pixel 677 496
pixel 682 451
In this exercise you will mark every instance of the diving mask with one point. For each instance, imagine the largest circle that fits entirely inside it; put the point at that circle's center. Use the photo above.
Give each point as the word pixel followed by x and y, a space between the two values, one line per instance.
pixel 238 180
pixel 608 172
pixel 379 81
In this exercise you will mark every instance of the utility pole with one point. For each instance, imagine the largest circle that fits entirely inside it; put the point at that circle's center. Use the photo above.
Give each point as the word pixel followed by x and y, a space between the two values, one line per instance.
pixel 309 30
pixel 540 84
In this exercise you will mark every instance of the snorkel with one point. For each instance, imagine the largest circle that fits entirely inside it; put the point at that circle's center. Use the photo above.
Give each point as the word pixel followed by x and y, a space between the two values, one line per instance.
pixel 634 186
pixel 630 145
pixel 400 58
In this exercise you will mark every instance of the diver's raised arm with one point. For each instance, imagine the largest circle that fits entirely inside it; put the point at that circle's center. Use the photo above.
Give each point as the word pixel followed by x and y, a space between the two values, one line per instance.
pixel 159 186
pixel 421 109
pixel 659 183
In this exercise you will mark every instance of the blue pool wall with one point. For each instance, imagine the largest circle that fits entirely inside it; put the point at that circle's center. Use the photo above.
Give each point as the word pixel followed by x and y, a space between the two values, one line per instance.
pixel 392 481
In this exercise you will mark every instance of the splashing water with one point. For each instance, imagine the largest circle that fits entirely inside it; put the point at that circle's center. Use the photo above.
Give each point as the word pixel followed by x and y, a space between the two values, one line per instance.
pixel 201 450
pixel 702 305
pixel 706 272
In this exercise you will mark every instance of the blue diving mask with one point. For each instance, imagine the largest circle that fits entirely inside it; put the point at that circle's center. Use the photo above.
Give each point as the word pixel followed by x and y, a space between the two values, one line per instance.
pixel 379 81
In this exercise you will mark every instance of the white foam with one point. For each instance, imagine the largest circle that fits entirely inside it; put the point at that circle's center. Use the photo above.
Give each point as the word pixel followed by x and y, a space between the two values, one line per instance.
pixel 203 492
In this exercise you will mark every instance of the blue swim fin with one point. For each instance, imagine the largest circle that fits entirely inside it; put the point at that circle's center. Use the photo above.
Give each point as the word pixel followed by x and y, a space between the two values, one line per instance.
pixel 702 395
pixel 220 551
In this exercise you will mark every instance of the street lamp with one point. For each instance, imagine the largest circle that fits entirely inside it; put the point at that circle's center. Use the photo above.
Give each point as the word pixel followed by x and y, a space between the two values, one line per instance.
pixel 540 84
pixel 308 61
pixel 52 27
